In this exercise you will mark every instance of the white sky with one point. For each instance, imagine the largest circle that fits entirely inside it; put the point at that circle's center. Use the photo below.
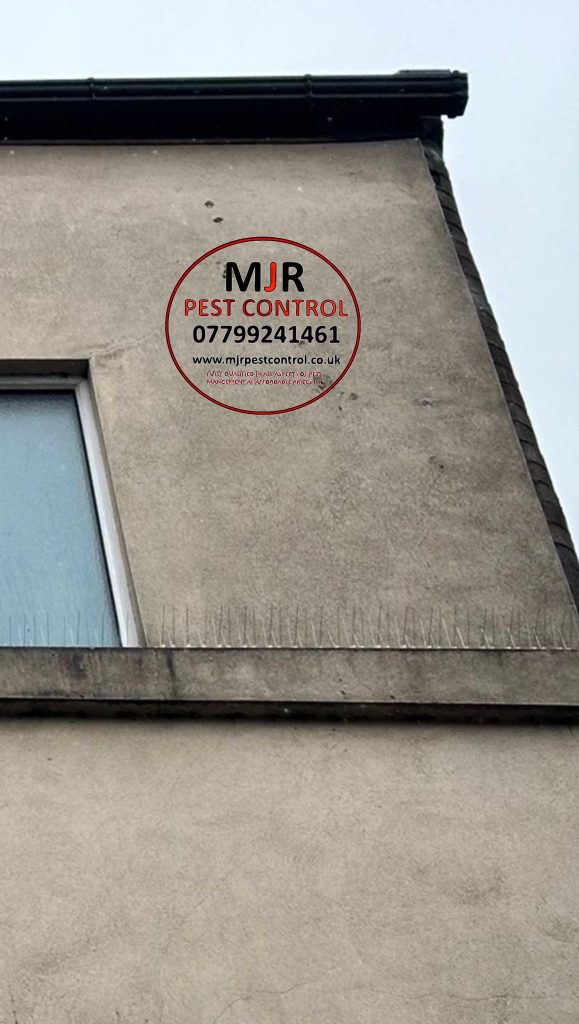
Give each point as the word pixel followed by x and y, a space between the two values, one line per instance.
pixel 513 156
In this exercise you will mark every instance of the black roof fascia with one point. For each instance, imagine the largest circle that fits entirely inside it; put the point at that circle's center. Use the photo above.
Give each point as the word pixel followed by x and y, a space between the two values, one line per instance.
pixel 188 110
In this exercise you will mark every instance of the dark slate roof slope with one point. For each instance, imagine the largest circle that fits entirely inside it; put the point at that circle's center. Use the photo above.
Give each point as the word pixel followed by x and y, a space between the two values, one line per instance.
pixel 524 428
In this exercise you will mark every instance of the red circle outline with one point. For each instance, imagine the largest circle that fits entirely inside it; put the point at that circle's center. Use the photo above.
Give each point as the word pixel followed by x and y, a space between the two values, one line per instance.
pixel 263 238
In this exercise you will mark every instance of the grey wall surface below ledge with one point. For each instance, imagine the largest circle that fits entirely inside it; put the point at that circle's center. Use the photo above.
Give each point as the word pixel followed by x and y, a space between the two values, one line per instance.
pixel 335 684
pixel 269 873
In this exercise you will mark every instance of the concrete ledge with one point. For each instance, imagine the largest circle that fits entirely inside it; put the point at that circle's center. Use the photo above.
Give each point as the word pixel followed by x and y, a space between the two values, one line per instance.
pixel 330 684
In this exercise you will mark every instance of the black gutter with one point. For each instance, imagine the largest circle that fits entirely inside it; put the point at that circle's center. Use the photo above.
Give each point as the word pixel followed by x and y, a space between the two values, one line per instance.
pixel 188 110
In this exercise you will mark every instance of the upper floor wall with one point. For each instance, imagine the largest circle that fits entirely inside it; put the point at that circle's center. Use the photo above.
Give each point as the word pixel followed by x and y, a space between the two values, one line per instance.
pixel 404 485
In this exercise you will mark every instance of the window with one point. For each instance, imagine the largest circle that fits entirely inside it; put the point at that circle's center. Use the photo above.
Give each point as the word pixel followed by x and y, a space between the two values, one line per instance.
pixel 62 578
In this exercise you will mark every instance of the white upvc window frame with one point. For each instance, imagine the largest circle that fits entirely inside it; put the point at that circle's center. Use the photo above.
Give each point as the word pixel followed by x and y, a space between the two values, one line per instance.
pixel 107 520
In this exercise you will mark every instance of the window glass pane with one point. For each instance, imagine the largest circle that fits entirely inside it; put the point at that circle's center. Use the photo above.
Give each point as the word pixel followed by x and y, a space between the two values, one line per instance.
pixel 54 586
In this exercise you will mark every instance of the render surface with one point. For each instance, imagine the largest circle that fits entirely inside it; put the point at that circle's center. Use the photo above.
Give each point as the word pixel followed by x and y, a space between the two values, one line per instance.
pixel 405 485
pixel 243 873
pixel 250 873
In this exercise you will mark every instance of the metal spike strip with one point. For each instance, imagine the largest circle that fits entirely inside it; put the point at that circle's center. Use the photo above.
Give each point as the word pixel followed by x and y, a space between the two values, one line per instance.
pixel 380 627
pixel 298 626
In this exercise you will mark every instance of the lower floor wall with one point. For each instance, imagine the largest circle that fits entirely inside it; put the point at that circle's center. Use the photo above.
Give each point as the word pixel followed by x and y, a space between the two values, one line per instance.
pixel 289 873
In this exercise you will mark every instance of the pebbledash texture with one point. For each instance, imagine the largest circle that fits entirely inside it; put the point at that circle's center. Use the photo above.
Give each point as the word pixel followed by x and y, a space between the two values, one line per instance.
pixel 285 699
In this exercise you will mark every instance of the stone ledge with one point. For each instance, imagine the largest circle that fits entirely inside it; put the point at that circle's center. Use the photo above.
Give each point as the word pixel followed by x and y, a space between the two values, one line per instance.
pixel 328 684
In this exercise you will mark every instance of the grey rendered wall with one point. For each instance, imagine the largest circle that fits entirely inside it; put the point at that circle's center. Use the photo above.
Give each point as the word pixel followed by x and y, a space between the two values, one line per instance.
pixel 405 485
pixel 195 873
pixel 181 873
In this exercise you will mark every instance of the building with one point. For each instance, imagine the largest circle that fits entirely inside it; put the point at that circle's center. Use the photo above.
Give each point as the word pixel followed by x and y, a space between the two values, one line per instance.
pixel 286 698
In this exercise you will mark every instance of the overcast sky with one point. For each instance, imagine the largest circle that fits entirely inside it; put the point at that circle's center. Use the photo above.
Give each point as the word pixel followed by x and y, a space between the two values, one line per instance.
pixel 513 156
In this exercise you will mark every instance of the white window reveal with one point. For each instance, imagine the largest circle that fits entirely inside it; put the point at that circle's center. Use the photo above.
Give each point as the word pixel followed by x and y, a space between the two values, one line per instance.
pixel 63 581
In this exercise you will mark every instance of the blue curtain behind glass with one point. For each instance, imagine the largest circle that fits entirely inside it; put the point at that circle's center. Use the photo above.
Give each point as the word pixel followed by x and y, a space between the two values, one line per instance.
pixel 54 587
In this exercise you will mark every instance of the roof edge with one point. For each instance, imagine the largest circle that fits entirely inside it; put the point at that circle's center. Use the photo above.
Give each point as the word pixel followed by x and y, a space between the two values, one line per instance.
pixel 544 488
pixel 189 110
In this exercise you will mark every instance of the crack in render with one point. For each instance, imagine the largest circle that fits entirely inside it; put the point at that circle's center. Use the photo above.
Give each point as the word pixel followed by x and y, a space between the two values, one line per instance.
pixel 271 992
pixel 123 346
